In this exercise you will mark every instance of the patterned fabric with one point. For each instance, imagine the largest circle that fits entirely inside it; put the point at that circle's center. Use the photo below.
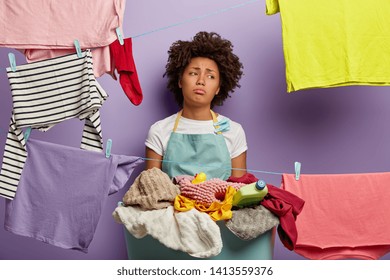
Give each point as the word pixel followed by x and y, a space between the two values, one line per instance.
pixel 207 192
pixel 152 189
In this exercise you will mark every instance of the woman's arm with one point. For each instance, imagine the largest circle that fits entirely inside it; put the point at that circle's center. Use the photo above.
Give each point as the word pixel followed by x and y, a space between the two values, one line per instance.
pixel 239 162
pixel 150 154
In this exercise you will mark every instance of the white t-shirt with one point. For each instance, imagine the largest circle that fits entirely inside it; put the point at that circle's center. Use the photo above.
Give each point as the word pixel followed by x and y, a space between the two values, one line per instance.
pixel 160 132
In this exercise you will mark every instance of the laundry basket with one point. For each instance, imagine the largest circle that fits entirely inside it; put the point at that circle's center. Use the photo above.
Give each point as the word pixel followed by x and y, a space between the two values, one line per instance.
pixel 234 248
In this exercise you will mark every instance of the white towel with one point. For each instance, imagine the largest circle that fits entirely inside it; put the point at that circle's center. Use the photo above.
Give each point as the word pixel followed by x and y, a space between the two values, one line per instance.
pixel 192 232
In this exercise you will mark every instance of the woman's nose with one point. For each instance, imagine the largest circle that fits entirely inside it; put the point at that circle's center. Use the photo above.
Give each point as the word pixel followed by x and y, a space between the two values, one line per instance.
pixel 200 80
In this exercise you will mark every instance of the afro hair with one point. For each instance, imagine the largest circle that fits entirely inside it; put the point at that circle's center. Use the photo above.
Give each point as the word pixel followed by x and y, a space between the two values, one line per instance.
pixel 209 45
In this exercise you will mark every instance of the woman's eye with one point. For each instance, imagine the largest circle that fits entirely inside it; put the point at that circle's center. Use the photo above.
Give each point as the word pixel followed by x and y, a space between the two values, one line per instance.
pixel 210 76
pixel 193 73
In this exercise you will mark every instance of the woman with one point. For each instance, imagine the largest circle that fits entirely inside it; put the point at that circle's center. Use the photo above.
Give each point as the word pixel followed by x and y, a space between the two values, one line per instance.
pixel 201 73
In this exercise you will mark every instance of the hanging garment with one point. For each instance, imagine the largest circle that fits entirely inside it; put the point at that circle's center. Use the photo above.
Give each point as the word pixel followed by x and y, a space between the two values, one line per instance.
pixel 100 56
pixel 122 60
pixel 43 94
pixel 192 232
pixel 345 215
pixel 187 154
pixel 335 42
pixel 55 24
pixel 62 192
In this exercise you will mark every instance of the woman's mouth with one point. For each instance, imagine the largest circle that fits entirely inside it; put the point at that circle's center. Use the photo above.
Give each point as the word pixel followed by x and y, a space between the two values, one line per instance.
pixel 199 91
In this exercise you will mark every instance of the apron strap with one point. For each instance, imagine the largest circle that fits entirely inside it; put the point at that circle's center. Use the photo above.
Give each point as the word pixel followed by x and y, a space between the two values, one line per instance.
pixel 177 120
pixel 181 112
pixel 214 116
pixel 215 120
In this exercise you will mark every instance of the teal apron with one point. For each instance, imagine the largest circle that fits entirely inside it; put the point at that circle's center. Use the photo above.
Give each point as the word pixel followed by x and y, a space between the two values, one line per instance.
pixel 189 154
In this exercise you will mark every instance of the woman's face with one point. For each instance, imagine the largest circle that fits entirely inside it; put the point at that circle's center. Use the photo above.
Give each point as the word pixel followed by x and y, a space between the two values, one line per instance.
pixel 200 82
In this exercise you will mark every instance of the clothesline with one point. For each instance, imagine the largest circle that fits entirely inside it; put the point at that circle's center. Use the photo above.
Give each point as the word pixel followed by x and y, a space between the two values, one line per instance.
pixel 247 170
pixel 210 165
pixel 220 11
pixel 200 164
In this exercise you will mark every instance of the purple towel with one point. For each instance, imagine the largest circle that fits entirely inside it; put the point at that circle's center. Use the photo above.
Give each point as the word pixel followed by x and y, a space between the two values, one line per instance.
pixel 62 192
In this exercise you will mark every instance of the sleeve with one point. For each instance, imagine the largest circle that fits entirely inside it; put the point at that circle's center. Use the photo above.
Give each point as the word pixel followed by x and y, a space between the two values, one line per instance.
pixel 15 155
pixel 272 7
pixel 239 144
pixel 154 139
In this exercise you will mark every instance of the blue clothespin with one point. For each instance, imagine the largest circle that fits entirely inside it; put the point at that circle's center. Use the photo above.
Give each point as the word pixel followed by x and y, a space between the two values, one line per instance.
pixel 108 148
pixel 297 170
pixel 78 49
pixel 120 203
pixel 27 133
pixel 120 36
pixel 12 61
pixel 222 125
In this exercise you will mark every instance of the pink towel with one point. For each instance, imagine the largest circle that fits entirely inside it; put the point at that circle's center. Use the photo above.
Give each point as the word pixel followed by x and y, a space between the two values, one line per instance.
pixel 55 24
pixel 206 192
pixel 345 215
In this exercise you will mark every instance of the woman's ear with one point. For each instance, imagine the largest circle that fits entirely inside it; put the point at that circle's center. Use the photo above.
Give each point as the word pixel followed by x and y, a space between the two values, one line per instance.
pixel 179 83
pixel 216 93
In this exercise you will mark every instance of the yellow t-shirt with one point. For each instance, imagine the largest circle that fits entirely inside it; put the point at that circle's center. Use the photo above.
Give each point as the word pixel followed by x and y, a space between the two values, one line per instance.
pixel 329 43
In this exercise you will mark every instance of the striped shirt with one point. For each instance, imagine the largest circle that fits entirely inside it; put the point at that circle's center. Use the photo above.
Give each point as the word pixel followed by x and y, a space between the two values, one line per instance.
pixel 45 93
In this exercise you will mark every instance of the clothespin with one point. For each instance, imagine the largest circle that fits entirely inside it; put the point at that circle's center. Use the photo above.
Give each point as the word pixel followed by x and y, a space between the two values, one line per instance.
pixel 297 170
pixel 78 49
pixel 27 133
pixel 222 125
pixel 120 203
pixel 108 148
pixel 12 61
pixel 120 36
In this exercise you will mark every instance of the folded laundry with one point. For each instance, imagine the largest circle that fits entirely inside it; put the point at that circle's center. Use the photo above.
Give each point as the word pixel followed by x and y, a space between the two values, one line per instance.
pixel 152 189
pixel 206 192
pixel 218 210
pixel 192 232
pixel 251 222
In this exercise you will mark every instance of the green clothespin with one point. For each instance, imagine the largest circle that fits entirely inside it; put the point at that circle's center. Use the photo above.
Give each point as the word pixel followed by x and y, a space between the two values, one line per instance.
pixel 297 170
pixel 120 36
pixel 12 61
pixel 78 48
pixel 108 148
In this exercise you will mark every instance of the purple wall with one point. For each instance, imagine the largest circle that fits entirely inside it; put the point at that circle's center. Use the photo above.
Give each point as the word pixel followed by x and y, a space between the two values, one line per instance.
pixel 339 130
